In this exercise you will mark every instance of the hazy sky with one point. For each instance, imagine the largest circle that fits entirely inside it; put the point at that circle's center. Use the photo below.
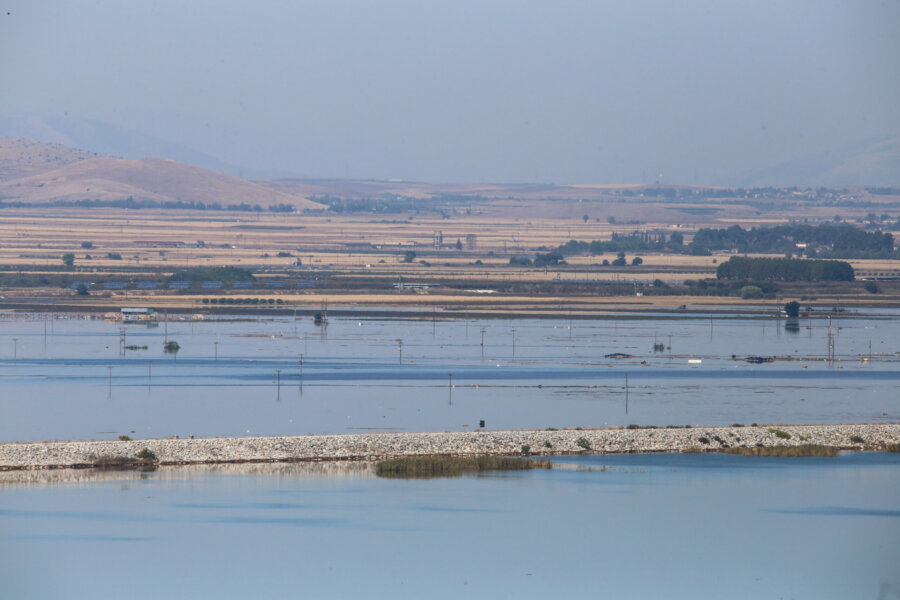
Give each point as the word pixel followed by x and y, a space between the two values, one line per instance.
pixel 467 90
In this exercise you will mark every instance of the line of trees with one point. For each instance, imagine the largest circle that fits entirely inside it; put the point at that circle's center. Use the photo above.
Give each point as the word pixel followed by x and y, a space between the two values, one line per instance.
pixel 131 203
pixel 637 241
pixel 784 269
pixel 827 240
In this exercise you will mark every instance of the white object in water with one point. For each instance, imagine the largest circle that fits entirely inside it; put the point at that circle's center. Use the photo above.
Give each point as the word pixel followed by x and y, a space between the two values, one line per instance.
pixel 694 361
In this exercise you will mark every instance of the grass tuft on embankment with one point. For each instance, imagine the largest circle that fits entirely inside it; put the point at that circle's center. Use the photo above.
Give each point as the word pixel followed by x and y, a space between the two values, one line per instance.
pixel 452 466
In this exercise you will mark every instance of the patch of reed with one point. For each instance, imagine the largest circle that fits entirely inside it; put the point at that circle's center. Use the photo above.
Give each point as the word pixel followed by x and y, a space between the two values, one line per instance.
pixel 452 466
pixel 801 450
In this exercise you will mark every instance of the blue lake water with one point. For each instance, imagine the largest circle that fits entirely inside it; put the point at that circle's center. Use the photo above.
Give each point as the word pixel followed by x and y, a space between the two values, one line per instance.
pixel 68 379
pixel 650 526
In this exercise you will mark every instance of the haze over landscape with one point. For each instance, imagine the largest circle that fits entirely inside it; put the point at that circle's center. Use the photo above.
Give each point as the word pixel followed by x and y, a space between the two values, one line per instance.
pixel 693 93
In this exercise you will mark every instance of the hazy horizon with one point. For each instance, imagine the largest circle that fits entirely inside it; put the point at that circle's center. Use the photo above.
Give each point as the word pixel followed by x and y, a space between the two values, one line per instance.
pixel 467 91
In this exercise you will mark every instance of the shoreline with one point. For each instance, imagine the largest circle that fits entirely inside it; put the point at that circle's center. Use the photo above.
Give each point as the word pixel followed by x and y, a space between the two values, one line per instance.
pixel 18 456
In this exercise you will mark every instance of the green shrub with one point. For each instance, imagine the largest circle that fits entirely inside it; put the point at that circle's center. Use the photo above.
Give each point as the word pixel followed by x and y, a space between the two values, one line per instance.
pixel 147 455
pixel 857 439
pixel 751 292
pixel 547 444
pixel 526 448
pixel 784 435
pixel 583 443
pixel 703 439
pixel 124 438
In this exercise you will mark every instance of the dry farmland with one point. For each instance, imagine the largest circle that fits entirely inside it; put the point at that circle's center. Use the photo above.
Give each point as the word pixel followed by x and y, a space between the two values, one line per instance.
pixel 361 256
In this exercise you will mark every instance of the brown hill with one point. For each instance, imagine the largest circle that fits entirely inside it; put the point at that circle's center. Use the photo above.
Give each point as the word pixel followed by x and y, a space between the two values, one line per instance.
pixel 155 179
pixel 21 158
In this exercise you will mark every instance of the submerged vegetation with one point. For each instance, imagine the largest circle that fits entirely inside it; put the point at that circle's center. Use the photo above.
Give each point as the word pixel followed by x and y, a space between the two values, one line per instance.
pixel 453 466
pixel 801 450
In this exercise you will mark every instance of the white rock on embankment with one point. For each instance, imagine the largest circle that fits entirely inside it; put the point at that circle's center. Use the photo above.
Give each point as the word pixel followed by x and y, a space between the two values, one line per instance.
pixel 374 446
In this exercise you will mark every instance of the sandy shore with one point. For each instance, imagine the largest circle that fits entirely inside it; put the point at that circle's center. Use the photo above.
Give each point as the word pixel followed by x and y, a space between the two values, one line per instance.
pixel 375 446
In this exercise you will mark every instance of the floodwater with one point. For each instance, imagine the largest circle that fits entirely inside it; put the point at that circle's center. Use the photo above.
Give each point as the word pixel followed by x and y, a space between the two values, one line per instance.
pixel 649 526
pixel 69 378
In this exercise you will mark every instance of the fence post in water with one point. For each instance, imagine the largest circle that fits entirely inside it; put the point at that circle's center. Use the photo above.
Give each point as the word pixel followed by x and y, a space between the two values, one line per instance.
pixel 15 347
pixel 482 343
pixel 400 350
pixel 626 393
pixel 109 392
pixel 278 384
pixel 450 388
pixel 215 350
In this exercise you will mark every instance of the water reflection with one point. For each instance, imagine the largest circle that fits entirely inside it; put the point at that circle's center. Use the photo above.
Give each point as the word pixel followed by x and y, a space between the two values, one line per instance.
pixel 705 525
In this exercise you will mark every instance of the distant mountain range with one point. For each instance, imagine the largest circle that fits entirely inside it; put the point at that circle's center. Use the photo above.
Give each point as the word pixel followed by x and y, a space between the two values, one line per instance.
pixel 103 138
pixel 42 173
pixel 871 163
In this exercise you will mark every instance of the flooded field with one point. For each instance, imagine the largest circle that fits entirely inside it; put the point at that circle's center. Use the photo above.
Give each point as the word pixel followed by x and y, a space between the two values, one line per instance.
pixel 76 378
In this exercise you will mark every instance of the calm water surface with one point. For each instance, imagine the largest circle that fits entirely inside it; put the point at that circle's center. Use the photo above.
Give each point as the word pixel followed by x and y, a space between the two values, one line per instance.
pixel 650 526
pixel 68 379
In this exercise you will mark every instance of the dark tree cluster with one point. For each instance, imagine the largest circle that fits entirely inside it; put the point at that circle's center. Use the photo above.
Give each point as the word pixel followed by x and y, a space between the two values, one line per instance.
pixel 637 241
pixel 784 269
pixel 213 274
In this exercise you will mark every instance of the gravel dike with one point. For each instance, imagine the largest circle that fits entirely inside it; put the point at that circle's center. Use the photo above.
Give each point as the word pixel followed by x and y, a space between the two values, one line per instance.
pixel 376 446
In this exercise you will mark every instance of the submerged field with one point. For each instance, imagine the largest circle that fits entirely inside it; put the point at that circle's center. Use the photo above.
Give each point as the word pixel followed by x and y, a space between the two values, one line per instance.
pixel 242 376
